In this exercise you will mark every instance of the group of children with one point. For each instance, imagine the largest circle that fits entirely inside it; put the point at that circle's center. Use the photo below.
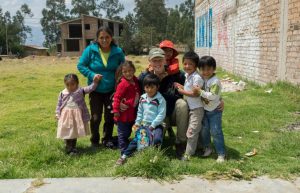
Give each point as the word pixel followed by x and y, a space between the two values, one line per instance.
pixel 201 90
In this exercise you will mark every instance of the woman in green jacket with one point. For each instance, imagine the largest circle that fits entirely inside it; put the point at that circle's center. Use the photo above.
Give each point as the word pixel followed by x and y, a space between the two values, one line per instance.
pixel 101 57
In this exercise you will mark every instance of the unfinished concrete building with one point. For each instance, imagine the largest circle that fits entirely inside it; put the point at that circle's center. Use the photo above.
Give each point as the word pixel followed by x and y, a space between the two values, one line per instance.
pixel 76 34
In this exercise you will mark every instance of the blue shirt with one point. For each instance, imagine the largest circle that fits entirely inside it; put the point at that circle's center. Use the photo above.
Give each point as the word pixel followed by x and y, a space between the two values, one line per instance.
pixel 90 63
pixel 151 111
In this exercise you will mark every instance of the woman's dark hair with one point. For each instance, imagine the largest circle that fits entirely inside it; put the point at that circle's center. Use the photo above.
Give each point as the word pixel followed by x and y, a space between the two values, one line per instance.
pixel 107 30
pixel 192 56
pixel 151 79
pixel 71 77
pixel 207 61
pixel 127 63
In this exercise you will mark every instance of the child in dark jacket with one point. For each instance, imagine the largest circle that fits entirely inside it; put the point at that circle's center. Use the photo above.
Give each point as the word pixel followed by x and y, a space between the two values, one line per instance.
pixel 128 93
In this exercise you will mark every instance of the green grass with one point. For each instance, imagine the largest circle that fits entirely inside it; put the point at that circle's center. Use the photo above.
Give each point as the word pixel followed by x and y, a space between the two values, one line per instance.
pixel 29 148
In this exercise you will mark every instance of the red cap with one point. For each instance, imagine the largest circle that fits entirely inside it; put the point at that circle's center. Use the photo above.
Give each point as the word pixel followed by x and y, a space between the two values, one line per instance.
pixel 168 44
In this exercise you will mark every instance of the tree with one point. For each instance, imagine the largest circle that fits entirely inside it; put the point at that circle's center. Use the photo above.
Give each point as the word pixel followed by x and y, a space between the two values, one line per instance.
pixel 151 16
pixel 186 35
pixel 173 24
pixel 112 8
pixel 130 41
pixel 54 13
pixel 16 29
pixel 87 7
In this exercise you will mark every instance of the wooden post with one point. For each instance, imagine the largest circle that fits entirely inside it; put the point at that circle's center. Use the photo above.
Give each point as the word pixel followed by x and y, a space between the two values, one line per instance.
pixel 83 32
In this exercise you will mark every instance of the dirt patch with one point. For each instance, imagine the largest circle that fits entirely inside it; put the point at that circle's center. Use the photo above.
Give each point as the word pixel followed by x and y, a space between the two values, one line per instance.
pixel 292 127
pixel 230 85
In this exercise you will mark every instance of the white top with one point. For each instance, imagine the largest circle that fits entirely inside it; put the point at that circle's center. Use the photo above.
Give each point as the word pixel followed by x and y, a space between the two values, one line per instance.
pixel 211 93
pixel 191 81
pixel 71 103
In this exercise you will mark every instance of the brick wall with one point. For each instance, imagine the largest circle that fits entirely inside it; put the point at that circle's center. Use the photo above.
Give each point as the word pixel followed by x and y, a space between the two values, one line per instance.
pixel 254 39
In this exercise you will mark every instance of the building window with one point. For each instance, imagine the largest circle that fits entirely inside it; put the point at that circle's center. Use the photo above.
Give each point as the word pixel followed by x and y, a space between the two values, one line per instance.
pixel 72 46
pixel 87 26
pixel 120 29
pixel 58 47
pixel 75 31
pixel 111 27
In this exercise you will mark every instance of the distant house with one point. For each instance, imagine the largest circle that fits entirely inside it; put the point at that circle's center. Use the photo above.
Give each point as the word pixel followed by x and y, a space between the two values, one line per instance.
pixel 76 34
pixel 35 50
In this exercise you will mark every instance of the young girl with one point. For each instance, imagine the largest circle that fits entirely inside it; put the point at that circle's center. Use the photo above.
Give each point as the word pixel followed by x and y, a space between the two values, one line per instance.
pixel 127 92
pixel 72 113
pixel 196 111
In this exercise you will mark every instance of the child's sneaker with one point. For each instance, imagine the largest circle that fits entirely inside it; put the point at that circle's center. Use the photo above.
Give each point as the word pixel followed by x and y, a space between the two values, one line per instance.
pixel 207 152
pixel 120 161
pixel 221 159
pixel 186 157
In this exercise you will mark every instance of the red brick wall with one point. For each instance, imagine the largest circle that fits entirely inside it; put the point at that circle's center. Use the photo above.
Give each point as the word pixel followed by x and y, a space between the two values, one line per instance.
pixel 249 37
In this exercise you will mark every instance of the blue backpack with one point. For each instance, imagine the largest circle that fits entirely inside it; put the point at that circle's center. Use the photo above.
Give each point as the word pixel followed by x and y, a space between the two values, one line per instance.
pixel 144 137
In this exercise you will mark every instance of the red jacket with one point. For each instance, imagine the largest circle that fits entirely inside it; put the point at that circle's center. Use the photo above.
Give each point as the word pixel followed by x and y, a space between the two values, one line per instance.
pixel 126 92
pixel 173 66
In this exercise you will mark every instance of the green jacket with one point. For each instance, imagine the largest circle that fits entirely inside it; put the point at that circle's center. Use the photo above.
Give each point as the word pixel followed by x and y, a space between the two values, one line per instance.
pixel 90 63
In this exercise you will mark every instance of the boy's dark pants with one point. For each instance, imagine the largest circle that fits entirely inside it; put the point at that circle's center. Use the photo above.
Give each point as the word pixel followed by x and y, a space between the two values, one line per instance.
pixel 70 145
pixel 157 140
pixel 97 101
pixel 124 132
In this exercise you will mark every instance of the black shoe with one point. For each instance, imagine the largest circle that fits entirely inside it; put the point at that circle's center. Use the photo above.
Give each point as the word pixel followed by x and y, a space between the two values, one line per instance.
pixel 110 145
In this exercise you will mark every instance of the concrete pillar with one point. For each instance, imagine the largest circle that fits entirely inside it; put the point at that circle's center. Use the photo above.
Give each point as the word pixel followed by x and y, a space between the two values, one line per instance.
pixel 281 70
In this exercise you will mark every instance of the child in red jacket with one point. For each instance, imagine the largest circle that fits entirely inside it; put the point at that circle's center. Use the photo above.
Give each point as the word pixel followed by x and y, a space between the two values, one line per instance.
pixel 128 93
pixel 170 55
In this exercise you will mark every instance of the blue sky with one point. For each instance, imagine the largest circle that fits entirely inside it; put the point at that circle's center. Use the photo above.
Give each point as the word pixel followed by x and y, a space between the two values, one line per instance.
pixel 37 5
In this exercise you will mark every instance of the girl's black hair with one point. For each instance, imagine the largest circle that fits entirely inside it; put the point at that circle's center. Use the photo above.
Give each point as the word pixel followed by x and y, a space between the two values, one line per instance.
pixel 151 79
pixel 207 61
pixel 127 63
pixel 73 77
pixel 107 30
pixel 192 56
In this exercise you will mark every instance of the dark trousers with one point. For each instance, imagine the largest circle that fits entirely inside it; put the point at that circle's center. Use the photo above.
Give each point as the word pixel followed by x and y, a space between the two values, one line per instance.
pixel 70 144
pixel 98 101
pixel 124 132
pixel 157 140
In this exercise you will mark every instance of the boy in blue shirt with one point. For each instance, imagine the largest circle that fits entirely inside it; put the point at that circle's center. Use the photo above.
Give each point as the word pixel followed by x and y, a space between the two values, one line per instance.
pixel 150 115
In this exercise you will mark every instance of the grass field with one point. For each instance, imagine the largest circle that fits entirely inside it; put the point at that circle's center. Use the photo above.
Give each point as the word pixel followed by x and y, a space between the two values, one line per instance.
pixel 28 147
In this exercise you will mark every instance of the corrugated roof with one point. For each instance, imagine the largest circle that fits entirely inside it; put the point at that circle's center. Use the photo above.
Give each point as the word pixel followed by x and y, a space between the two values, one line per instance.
pixel 89 16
